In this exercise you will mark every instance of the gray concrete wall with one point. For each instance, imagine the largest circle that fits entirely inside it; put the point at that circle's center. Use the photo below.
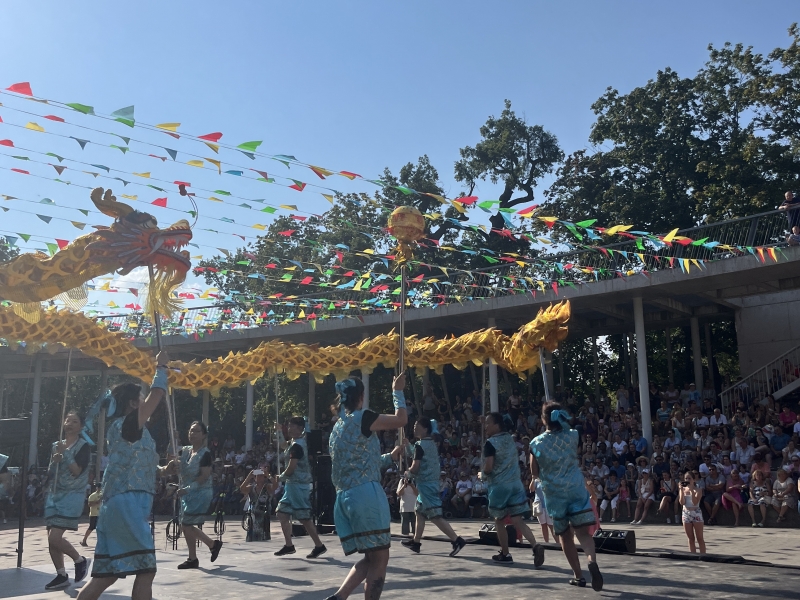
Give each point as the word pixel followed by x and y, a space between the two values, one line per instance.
pixel 767 325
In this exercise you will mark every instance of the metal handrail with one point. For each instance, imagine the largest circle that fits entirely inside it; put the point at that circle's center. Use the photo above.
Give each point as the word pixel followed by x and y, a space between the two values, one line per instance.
pixel 762 381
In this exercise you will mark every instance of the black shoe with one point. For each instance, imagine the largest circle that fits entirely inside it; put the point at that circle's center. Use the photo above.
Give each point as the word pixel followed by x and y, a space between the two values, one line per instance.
pixel 578 582
pixel 189 564
pixel 317 551
pixel 597 577
pixel 60 582
pixel 538 555
pixel 215 550
pixel 81 568
pixel 502 558
pixel 411 545
pixel 458 546
pixel 285 550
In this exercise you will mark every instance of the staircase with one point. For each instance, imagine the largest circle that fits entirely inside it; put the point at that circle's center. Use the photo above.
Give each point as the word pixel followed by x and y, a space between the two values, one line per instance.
pixel 779 377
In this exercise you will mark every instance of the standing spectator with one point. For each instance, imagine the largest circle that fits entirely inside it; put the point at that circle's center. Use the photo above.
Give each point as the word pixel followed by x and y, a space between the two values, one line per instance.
pixel 689 496
pixel 791 204
pixel 623 401
pixel 407 493
pixel 95 500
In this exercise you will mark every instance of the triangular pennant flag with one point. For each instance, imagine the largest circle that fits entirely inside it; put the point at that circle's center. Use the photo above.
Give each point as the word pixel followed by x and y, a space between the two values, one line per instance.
pixel 195 163
pixel 35 127
pixel 249 146
pixel 173 127
pixel 328 197
pixel 24 236
pixel 172 153
pixel 54 118
pixel 84 211
pixel 52 248
pixel 23 88
pixel 298 185
pixel 59 169
pixel 45 218
pixel 56 156
pixel 87 110
pixel 145 175
pixel 80 141
pixel 160 202
pixel 12 241
pixel 214 147
pixel 78 224
pixel 62 243
pixel 8 143
pixel 211 137
pixel 320 172
pixel 124 116
pixel 105 168
pixel 217 164
pixel 122 149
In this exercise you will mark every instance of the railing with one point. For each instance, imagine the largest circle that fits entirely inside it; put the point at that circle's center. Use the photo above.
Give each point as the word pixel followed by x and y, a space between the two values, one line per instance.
pixel 567 268
pixel 778 375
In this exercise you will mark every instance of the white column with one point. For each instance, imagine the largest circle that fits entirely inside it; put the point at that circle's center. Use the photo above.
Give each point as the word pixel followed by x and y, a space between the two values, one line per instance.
pixel 709 355
pixel 641 361
pixel 206 406
pixel 365 381
pixel 494 400
pixel 596 366
pixel 37 393
pixel 248 423
pixel 696 354
pixel 668 338
pixel 312 401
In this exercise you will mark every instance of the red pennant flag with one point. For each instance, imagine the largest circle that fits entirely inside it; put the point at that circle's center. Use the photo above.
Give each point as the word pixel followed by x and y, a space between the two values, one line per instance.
pixel 287 232
pixel 55 118
pixel 162 202
pixel 8 143
pixel 298 185
pixel 264 174
pixel 211 137
pixel 349 175
pixel 134 291
pixel 528 210
pixel 418 279
pixel 348 274
pixel 23 88
pixel 555 287
pixel 183 183
pixel 271 266
pixel 20 171
pixel 306 280
pixel 299 218
pixel 62 244
pixel 339 256
pixel 467 200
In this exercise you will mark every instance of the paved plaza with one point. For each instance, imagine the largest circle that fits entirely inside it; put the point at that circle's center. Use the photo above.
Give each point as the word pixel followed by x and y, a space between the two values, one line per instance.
pixel 249 570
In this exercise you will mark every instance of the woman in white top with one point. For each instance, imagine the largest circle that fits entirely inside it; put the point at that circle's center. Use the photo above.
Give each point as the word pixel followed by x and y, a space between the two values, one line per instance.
pixel 647 496
pixel 689 496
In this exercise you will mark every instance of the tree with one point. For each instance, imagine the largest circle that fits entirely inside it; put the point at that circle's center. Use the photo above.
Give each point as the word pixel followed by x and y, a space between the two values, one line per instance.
pixel 511 152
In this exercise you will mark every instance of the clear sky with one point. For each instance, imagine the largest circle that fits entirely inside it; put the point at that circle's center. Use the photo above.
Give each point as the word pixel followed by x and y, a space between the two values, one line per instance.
pixel 357 85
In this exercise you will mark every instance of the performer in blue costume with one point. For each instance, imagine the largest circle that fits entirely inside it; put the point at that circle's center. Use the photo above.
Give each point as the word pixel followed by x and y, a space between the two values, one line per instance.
pixel 507 497
pixel 554 460
pixel 425 469
pixel 195 465
pixel 68 476
pixel 124 542
pixel 296 499
pixel 361 512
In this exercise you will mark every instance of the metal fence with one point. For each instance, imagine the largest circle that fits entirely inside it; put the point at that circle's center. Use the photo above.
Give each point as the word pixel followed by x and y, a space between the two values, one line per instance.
pixel 715 241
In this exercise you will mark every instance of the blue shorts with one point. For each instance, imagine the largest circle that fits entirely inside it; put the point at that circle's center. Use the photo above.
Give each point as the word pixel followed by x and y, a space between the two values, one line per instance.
pixel 63 509
pixel 195 505
pixel 124 542
pixel 362 518
pixel 507 500
pixel 576 512
pixel 296 501
pixel 429 501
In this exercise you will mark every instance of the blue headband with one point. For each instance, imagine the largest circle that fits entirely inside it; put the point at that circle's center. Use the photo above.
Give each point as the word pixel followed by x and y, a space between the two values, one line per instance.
pixel 342 387
pixel 307 427
pixel 562 417
pixel 107 401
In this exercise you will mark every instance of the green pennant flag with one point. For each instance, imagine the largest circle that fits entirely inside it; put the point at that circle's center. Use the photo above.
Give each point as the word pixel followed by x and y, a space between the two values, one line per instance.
pixel 155 187
pixel 249 146
pixel 405 190
pixel 52 248
pixel 87 110
pixel 269 209
pixel 24 236
pixel 587 223
pixel 491 260
pixel 572 229
pixel 266 179
pixel 640 244
pixel 122 149
pixel 124 116
pixel 56 156
pixel 223 192
pixel 84 211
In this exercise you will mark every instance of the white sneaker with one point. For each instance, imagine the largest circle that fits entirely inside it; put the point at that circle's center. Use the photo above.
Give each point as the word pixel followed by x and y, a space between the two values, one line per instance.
pixel 634 522
pixel 600 519
pixel 613 520
pixel 669 521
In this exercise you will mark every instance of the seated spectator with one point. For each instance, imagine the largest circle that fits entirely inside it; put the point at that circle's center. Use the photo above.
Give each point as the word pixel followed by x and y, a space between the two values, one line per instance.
pixel 732 499
pixel 610 497
pixel 759 464
pixel 743 454
pixel 760 495
pixel 784 495
pixel 668 493
pixel 700 420
pixel 639 442
pixel 718 418
pixel 671 440
pixel 663 414
pixel 793 239
pixel 779 441
pixel 714 488
pixel 617 468
pixel 625 496
pixel 661 467
pixel 599 470
pixel 646 493
pixel 588 444
pixel 479 503
pixel 679 420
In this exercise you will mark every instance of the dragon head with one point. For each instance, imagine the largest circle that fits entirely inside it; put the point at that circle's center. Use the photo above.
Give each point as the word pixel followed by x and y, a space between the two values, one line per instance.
pixel 135 240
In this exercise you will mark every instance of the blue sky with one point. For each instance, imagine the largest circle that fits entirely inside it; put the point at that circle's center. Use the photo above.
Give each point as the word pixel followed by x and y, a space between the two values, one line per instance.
pixel 356 86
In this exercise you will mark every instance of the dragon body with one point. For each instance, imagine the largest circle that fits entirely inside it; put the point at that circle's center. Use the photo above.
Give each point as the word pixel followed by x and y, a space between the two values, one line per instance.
pixel 133 240
pixel 517 353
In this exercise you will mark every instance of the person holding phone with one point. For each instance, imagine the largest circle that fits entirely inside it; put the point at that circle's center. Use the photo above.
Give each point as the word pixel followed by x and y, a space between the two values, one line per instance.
pixel 689 497
pixel 258 488
pixel 296 499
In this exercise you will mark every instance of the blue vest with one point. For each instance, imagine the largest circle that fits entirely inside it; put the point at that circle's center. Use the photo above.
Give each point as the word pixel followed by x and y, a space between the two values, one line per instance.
pixel 355 459
pixel 131 466
pixel 506 460
pixel 67 482
pixel 190 468
pixel 302 470
pixel 429 469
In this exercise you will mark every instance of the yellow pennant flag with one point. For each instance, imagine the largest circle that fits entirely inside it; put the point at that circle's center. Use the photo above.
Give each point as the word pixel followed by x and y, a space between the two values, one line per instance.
pixel 328 197
pixel 213 199
pixel 695 263
pixel 169 126
pixel 289 206
pixel 459 207
pixel 441 199
pixel 671 235
pixel 214 147
pixel 358 285
pixel 35 127
pixel 195 163
pixel 616 229
pixel 198 257
pixel 686 264
pixel 257 226
pixel 302 314
pixel 145 175
pixel 129 197
pixel 216 163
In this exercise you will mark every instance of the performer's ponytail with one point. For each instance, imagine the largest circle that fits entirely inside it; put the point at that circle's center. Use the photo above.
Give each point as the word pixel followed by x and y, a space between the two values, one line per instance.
pixel 350 392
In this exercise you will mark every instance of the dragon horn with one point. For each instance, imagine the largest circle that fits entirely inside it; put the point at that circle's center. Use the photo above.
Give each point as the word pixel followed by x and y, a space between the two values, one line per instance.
pixel 108 205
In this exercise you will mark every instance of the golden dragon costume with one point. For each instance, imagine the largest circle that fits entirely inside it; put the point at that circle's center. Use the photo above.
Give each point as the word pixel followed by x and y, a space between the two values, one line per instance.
pixel 133 240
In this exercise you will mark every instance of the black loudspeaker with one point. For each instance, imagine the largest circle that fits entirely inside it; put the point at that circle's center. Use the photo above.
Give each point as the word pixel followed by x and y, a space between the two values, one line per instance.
pixel 14 432
pixel 298 530
pixel 326 493
pixel 617 541
pixel 314 441
pixel 488 535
